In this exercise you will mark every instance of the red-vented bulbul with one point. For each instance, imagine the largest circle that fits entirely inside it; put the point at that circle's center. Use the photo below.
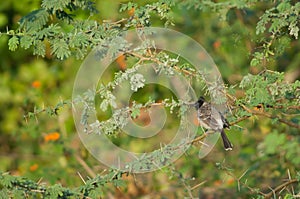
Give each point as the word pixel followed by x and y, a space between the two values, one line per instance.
pixel 210 118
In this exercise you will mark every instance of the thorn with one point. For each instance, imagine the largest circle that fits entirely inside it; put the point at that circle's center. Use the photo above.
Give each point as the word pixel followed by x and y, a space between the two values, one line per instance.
pixel 81 177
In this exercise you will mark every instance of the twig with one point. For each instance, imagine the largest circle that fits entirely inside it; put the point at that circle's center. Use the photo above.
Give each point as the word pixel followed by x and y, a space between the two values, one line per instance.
pixel 279 187
pixel 198 185
pixel 197 139
pixel 141 57
pixel 115 22
pixel 270 116
pixel 239 120
pixel 238 179
pixel 189 190
pixel 85 166
pixel 254 112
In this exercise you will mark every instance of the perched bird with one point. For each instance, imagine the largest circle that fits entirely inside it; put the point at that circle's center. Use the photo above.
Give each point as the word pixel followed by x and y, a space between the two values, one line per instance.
pixel 210 118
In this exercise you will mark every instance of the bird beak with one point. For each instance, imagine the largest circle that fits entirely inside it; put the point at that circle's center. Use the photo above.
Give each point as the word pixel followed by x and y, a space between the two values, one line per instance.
pixel 196 105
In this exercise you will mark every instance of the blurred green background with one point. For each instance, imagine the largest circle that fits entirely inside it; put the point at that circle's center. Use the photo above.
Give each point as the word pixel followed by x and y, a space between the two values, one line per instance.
pixel 48 147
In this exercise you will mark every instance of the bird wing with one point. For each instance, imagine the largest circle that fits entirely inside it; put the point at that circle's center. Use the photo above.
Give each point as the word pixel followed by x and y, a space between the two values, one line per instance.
pixel 209 117
pixel 225 122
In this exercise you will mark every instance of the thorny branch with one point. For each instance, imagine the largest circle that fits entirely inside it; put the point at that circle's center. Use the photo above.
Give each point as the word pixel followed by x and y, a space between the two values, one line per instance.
pixel 253 190
pixel 262 113
pixel 280 187
pixel 232 98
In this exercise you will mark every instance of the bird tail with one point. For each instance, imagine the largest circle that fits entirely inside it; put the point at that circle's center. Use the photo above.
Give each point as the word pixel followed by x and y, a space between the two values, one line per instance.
pixel 227 144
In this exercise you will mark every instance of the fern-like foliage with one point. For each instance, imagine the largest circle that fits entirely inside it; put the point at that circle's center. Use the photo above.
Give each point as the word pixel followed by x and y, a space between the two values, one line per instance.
pixel 34 21
pixel 285 16
pixel 43 25
pixel 20 187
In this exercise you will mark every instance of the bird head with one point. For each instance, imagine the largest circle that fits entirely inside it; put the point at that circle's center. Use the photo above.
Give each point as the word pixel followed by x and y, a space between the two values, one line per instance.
pixel 199 103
